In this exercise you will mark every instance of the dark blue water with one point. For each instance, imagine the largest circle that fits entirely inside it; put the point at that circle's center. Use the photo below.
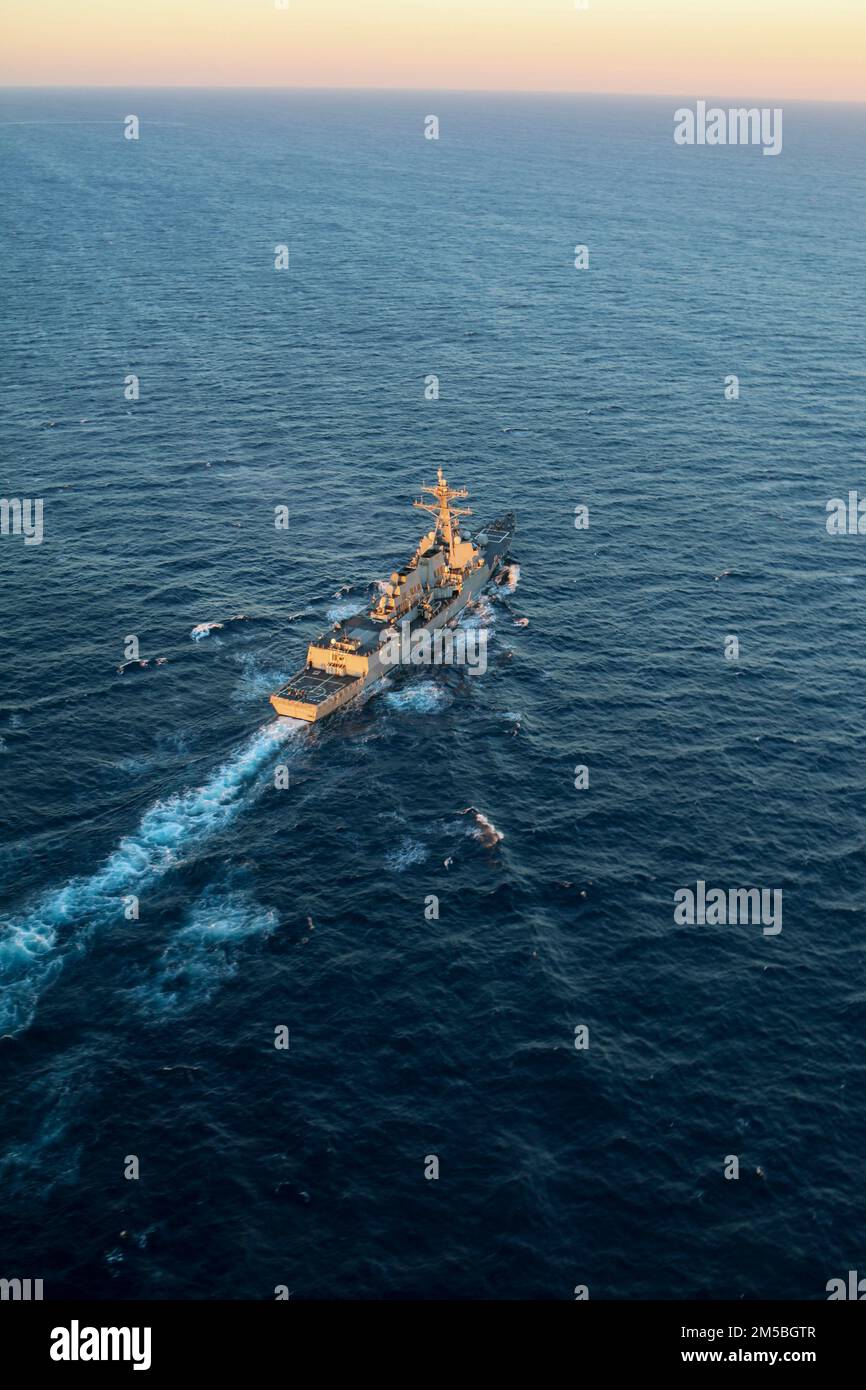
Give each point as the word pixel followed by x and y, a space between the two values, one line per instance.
pixel 306 908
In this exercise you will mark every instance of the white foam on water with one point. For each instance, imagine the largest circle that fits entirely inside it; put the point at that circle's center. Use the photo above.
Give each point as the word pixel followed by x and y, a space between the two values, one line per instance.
pixel 479 615
pixel 338 611
pixel 512 581
pixel 483 829
pixel 205 952
pixel 405 854
pixel 33 945
pixel 203 630
pixel 423 697
pixel 257 681
pixel 133 765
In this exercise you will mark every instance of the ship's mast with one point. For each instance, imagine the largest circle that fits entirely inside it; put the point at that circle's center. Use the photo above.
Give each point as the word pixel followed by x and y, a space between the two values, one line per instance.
pixel 444 512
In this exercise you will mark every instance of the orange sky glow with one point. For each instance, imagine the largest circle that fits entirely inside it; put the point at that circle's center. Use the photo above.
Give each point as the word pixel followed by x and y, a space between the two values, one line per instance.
pixel 809 49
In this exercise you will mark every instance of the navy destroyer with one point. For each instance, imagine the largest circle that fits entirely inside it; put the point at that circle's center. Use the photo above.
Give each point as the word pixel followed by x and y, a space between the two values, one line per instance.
pixel 447 571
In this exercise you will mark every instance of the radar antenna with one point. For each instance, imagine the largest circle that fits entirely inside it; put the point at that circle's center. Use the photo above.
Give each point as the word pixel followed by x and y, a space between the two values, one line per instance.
pixel 443 511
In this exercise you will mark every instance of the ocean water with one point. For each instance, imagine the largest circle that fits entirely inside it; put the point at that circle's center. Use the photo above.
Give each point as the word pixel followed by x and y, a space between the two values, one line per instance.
pixel 305 907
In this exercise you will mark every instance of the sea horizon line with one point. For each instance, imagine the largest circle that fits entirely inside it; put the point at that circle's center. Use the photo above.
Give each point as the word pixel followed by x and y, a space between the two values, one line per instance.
pixel 420 91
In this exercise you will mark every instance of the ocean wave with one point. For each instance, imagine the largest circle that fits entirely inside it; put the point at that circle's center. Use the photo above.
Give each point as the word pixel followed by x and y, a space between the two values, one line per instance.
pixel 202 630
pixel 402 856
pixel 483 829
pixel 511 579
pixel 133 766
pixel 47 1158
pixel 205 952
pixel 141 664
pixel 478 614
pixel 423 697
pixel 257 680
pixel 32 946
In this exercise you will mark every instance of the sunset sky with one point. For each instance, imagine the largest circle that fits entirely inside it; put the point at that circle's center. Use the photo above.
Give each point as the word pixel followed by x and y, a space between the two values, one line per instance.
pixel 812 49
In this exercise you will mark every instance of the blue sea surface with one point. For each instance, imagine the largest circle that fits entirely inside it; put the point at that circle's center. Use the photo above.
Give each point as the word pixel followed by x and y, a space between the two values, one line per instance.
pixel 260 907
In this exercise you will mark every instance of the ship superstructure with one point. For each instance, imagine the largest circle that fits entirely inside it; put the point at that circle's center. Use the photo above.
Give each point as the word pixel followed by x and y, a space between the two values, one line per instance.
pixel 448 570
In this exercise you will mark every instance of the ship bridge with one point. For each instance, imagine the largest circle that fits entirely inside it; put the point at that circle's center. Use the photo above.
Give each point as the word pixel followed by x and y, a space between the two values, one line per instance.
pixel 437 568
